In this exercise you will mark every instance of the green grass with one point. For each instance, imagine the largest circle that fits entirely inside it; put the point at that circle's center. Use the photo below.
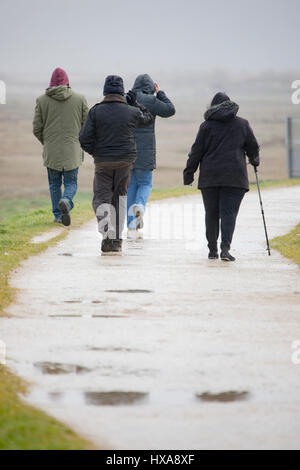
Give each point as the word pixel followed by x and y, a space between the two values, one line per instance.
pixel 13 206
pixel 189 190
pixel 289 245
pixel 22 426
pixel 272 184
pixel 17 230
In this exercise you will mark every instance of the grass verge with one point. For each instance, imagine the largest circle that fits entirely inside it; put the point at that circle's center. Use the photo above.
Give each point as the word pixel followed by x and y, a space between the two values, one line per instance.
pixel 289 245
pixel 23 427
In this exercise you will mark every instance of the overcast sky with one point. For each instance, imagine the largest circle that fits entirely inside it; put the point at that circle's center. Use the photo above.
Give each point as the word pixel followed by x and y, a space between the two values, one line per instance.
pixel 90 37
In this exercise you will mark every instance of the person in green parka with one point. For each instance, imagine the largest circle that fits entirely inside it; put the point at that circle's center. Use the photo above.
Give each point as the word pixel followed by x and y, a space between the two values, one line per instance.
pixel 59 116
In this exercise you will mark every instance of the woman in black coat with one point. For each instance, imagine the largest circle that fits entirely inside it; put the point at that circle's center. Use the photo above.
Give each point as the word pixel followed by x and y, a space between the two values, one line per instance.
pixel 222 144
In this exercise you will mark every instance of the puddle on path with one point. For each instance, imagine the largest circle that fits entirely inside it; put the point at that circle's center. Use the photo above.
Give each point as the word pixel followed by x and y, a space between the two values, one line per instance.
pixel 94 398
pixel 154 398
pixel 114 349
pixel 85 316
pixel 83 301
pixel 109 316
pixel 57 368
pixel 65 254
pixel 130 291
pixel 223 397
pixel 114 398
pixel 64 316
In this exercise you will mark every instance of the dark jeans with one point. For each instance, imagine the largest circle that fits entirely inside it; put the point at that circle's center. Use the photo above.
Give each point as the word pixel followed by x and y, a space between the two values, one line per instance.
pixel 56 179
pixel 221 203
pixel 110 189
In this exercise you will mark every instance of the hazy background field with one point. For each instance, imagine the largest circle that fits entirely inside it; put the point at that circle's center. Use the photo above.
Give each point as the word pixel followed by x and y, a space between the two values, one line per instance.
pixel 191 48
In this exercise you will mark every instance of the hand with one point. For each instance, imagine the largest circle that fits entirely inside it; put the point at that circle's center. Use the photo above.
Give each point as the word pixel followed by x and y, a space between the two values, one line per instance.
pixel 156 87
pixel 131 98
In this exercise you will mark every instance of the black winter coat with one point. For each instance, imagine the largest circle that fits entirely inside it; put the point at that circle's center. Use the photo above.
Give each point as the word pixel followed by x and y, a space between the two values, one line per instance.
pixel 221 146
pixel 158 105
pixel 109 131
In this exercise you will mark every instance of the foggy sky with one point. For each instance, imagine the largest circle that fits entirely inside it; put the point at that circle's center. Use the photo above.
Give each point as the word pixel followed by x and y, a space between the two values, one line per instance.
pixel 90 37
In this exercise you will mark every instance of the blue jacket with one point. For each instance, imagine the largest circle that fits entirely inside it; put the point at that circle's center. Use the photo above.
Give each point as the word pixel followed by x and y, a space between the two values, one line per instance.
pixel 158 105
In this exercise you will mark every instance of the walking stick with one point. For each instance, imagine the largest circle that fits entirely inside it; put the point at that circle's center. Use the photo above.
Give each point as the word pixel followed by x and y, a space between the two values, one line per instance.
pixel 262 211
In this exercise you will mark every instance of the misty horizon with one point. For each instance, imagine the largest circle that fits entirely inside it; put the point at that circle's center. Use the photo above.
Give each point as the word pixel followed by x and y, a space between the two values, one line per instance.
pixel 94 38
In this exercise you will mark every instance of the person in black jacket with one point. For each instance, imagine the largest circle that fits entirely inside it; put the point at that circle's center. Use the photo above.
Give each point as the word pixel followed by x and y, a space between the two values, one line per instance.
pixel 156 101
pixel 222 144
pixel 109 136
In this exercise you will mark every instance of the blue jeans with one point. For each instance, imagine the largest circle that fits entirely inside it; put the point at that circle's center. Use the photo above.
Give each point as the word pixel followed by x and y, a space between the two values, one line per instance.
pixel 56 179
pixel 138 193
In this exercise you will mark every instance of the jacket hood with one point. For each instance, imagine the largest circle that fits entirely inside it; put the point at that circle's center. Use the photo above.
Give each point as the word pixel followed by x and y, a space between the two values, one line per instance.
pixel 145 84
pixel 222 112
pixel 59 77
pixel 59 93
pixel 219 98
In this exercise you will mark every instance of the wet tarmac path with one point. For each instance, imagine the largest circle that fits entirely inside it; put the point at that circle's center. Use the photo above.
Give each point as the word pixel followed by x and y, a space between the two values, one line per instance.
pixel 160 347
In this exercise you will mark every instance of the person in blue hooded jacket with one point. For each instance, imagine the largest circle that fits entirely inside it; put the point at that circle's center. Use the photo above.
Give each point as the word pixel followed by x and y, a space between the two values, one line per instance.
pixel 156 101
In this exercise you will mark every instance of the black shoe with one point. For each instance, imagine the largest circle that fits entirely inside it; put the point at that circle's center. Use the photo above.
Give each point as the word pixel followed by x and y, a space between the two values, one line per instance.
pixel 226 256
pixel 213 255
pixel 139 216
pixel 106 245
pixel 65 212
pixel 116 246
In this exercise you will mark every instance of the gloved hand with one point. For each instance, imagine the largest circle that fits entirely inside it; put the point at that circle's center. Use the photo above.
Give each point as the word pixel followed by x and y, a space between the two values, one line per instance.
pixel 131 98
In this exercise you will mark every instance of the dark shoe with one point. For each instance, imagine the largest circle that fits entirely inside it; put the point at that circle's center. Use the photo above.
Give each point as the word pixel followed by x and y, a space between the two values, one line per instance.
pixel 139 216
pixel 213 255
pixel 106 245
pixel 226 256
pixel 65 212
pixel 57 221
pixel 116 246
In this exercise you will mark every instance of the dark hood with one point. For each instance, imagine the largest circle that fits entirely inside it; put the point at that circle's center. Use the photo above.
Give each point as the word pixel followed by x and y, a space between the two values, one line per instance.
pixel 145 84
pixel 222 112
pixel 59 93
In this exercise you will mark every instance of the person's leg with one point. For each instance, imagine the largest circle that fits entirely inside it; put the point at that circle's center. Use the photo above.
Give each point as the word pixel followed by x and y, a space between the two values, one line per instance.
pixel 144 187
pixel 143 191
pixel 230 201
pixel 131 198
pixel 121 183
pixel 70 188
pixel 55 182
pixel 102 200
pixel 210 198
pixel 70 184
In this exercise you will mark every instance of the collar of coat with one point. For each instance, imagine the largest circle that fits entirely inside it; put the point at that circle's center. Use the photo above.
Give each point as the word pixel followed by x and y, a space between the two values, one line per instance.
pixel 114 98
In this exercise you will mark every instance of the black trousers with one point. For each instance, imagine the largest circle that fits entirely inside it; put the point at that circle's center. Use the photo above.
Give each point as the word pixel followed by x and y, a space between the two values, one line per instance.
pixel 221 203
pixel 110 189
